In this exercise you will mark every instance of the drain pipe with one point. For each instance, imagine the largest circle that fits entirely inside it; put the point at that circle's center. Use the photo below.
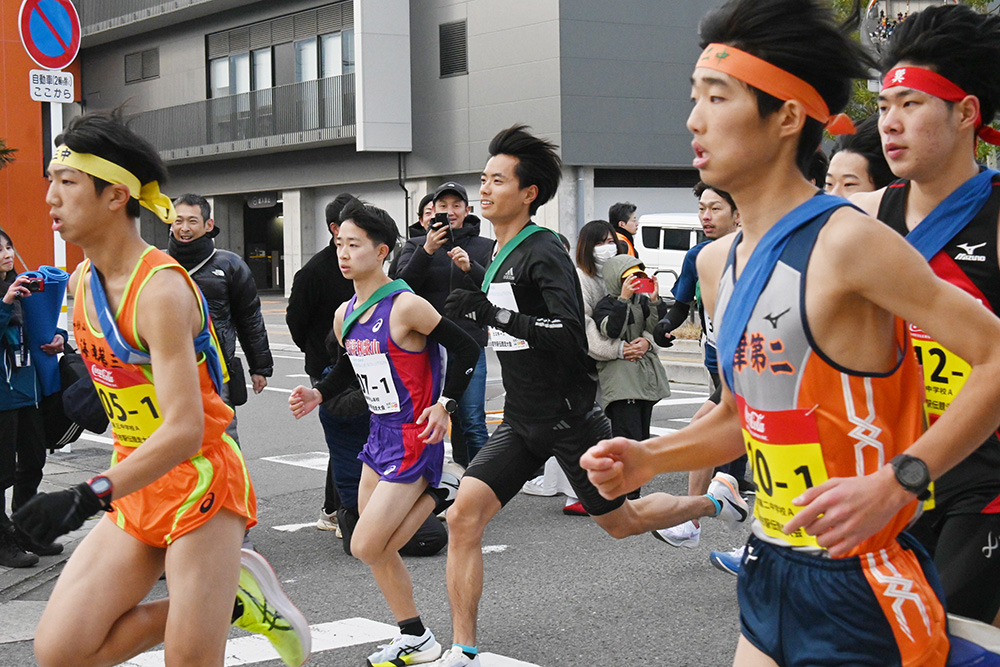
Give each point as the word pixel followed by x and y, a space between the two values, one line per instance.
pixel 406 196
pixel 581 200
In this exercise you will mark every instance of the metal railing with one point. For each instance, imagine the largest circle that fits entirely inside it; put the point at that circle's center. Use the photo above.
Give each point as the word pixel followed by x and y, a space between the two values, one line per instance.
pixel 312 111
pixel 98 15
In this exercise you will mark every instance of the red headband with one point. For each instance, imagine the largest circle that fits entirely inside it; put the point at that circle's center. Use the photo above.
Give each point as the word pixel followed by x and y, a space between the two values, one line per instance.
pixel 774 81
pixel 932 83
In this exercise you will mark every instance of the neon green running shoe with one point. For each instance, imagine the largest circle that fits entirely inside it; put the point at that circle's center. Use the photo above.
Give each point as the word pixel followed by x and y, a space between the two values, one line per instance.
pixel 266 610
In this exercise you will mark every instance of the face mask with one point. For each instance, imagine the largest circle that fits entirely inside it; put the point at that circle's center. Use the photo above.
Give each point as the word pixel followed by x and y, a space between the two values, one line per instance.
pixel 603 253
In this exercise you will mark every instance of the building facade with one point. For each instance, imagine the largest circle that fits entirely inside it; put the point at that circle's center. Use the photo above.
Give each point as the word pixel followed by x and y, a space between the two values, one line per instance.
pixel 273 108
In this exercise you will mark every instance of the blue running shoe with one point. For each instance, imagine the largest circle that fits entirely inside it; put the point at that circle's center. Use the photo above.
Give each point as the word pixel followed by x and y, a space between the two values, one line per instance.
pixel 728 561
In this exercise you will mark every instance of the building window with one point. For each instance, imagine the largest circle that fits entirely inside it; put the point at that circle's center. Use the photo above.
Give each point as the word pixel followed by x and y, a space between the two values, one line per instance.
pixel 142 65
pixel 454 49
pixel 263 77
pixel 218 73
pixel 332 54
pixel 306 63
pixel 348 49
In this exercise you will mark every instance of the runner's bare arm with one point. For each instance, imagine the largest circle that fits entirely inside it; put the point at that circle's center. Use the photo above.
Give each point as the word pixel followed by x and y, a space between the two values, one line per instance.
pixel 168 320
pixel 840 512
pixel 868 201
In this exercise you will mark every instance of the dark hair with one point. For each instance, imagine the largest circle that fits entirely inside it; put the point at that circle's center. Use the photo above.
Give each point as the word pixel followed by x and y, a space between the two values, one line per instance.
pixel 105 134
pixel 955 41
pixel 802 38
pixel 538 163
pixel 195 200
pixel 591 234
pixel 377 224
pixel 428 198
pixel 337 206
pixel 819 164
pixel 563 240
pixel 867 143
pixel 701 186
pixel 5 235
pixel 620 212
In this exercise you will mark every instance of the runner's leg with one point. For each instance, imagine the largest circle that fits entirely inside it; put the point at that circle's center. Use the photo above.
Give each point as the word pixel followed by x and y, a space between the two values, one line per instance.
pixel 748 655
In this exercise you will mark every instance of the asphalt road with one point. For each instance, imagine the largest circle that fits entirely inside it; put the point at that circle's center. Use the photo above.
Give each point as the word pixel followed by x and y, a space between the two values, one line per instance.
pixel 558 590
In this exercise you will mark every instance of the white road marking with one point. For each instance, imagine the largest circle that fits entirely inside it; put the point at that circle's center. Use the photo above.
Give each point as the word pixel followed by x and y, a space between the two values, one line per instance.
pixel 659 430
pixel 253 649
pixel 278 389
pixel 312 460
pixel 685 391
pixel 298 375
pixel 20 618
pixel 682 401
pixel 292 527
pixel 494 548
pixel 682 421
pixel 96 438
pixel 282 356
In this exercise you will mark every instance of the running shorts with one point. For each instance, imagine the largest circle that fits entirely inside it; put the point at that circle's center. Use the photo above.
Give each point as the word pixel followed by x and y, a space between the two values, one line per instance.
pixel 880 609
pixel 398 454
pixel 188 496
pixel 516 451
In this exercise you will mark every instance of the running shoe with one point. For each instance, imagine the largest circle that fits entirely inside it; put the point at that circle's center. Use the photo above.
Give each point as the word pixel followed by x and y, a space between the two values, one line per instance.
pixel 574 507
pixel 725 490
pixel 406 650
pixel 536 487
pixel 454 657
pixel 685 535
pixel 747 487
pixel 265 610
pixel 329 522
pixel 728 561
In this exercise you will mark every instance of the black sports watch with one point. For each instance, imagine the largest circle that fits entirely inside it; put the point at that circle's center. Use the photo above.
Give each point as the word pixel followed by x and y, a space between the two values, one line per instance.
pixel 913 475
pixel 103 489
pixel 449 404
pixel 504 316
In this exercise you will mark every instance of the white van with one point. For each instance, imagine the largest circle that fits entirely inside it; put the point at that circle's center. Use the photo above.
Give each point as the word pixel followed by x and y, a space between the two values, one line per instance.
pixel 662 241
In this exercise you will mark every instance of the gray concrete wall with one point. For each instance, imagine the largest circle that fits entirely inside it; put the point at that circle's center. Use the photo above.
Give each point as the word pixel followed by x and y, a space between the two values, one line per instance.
pixel 625 72
pixel 382 52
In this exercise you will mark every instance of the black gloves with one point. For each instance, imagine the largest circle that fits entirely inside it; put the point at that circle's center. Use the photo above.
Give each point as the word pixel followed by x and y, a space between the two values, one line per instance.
pixel 466 302
pixel 48 515
pixel 662 335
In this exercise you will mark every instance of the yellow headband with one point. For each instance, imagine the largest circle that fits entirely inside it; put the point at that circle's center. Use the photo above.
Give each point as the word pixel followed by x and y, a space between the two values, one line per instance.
pixel 149 195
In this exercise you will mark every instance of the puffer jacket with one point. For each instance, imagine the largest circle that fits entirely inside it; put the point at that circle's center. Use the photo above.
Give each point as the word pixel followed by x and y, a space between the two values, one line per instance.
pixel 18 385
pixel 234 306
pixel 627 320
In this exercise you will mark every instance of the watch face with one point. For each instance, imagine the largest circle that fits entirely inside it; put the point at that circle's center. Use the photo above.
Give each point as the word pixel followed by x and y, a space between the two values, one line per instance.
pixel 503 316
pixel 100 485
pixel 911 473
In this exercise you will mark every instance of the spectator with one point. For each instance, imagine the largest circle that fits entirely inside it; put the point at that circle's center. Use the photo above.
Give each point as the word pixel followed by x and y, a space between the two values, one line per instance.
pixel 425 213
pixel 318 289
pixel 858 163
pixel 22 434
pixel 227 284
pixel 625 224
pixel 448 257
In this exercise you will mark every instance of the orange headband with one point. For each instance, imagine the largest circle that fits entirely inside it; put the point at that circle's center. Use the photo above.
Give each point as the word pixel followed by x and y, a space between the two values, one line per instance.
pixel 774 81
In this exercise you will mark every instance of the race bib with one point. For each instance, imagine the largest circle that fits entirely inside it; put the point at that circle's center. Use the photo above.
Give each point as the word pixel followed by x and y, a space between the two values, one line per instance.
pixel 375 377
pixel 787 459
pixel 129 400
pixel 502 295
pixel 944 373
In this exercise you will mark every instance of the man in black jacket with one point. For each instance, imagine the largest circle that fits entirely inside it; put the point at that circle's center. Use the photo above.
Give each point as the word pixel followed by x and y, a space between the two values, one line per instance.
pixel 448 257
pixel 225 280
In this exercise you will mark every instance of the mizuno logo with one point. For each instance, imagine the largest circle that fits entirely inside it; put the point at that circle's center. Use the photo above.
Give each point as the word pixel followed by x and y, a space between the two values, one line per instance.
pixel 773 319
pixel 970 252
pixel 378 325
pixel 992 544
pixel 509 276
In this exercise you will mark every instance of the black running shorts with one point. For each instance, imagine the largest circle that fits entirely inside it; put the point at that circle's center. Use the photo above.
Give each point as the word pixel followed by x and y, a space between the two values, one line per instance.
pixel 516 451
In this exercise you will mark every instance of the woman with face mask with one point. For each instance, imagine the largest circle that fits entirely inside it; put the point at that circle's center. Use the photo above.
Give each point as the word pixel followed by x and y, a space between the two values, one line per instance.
pixel 22 433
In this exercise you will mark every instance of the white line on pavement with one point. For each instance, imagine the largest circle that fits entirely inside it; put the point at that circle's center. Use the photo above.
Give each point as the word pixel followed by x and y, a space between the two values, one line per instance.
pixel 278 389
pixel 96 438
pixel 682 401
pixel 281 356
pixel 659 430
pixel 312 460
pixel 292 527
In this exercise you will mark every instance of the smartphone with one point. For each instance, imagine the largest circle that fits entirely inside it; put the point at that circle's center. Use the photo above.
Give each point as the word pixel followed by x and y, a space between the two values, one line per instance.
pixel 440 220
pixel 644 285
pixel 36 285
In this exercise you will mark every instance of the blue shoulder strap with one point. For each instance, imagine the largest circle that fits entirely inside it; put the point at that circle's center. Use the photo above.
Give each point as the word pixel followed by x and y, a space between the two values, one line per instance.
pixel 952 215
pixel 131 355
pixel 758 271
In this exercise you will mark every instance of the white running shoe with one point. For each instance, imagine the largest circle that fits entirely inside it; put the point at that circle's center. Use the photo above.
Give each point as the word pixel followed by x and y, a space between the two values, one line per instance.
pixel 454 657
pixel 724 489
pixel 685 535
pixel 328 522
pixel 536 487
pixel 406 650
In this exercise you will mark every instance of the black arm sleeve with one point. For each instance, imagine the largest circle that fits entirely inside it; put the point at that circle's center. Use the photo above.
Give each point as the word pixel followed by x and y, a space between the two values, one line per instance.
pixel 338 379
pixel 675 316
pixel 466 355
pixel 611 316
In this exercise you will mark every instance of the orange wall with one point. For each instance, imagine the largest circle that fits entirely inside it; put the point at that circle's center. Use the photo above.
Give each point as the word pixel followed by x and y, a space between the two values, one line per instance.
pixel 23 212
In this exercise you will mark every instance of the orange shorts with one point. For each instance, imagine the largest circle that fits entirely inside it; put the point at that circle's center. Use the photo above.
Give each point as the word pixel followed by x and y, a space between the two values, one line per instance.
pixel 187 496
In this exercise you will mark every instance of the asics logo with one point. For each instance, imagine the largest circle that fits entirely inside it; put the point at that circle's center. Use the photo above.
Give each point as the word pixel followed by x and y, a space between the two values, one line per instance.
pixel 992 544
pixel 389 470
pixel 207 503
pixel 378 325
pixel 970 252
pixel 219 272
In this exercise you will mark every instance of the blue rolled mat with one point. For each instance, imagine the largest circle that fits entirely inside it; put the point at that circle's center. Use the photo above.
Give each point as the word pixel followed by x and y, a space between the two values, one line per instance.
pixel 41 318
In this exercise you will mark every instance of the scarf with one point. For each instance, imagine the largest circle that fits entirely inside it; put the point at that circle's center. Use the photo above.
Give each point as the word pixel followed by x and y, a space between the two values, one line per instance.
pixel 192 253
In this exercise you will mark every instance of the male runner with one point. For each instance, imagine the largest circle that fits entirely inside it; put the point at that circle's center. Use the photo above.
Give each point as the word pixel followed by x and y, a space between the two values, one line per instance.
pixel 391 336
pixel 820 385
pixel 534 308
pixel 936 99
pixel 178 495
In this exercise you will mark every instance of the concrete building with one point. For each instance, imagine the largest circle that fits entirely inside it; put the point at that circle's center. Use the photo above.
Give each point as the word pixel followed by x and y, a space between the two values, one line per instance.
pixel 273 108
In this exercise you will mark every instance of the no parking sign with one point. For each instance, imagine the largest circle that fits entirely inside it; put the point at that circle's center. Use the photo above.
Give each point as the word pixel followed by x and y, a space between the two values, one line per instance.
pixel 50 31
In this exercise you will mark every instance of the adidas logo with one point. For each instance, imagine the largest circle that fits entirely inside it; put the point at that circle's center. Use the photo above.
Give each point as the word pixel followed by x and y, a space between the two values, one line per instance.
pixel 509 276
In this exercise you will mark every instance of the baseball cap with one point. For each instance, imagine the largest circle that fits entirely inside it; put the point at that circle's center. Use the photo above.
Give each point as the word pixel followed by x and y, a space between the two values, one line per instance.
pixel 451 186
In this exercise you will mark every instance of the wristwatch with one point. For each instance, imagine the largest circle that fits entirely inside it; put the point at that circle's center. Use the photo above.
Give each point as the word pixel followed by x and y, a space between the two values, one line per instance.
pixel 504 316
pixel 449 404
pixel 913 475
pixel 102 488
